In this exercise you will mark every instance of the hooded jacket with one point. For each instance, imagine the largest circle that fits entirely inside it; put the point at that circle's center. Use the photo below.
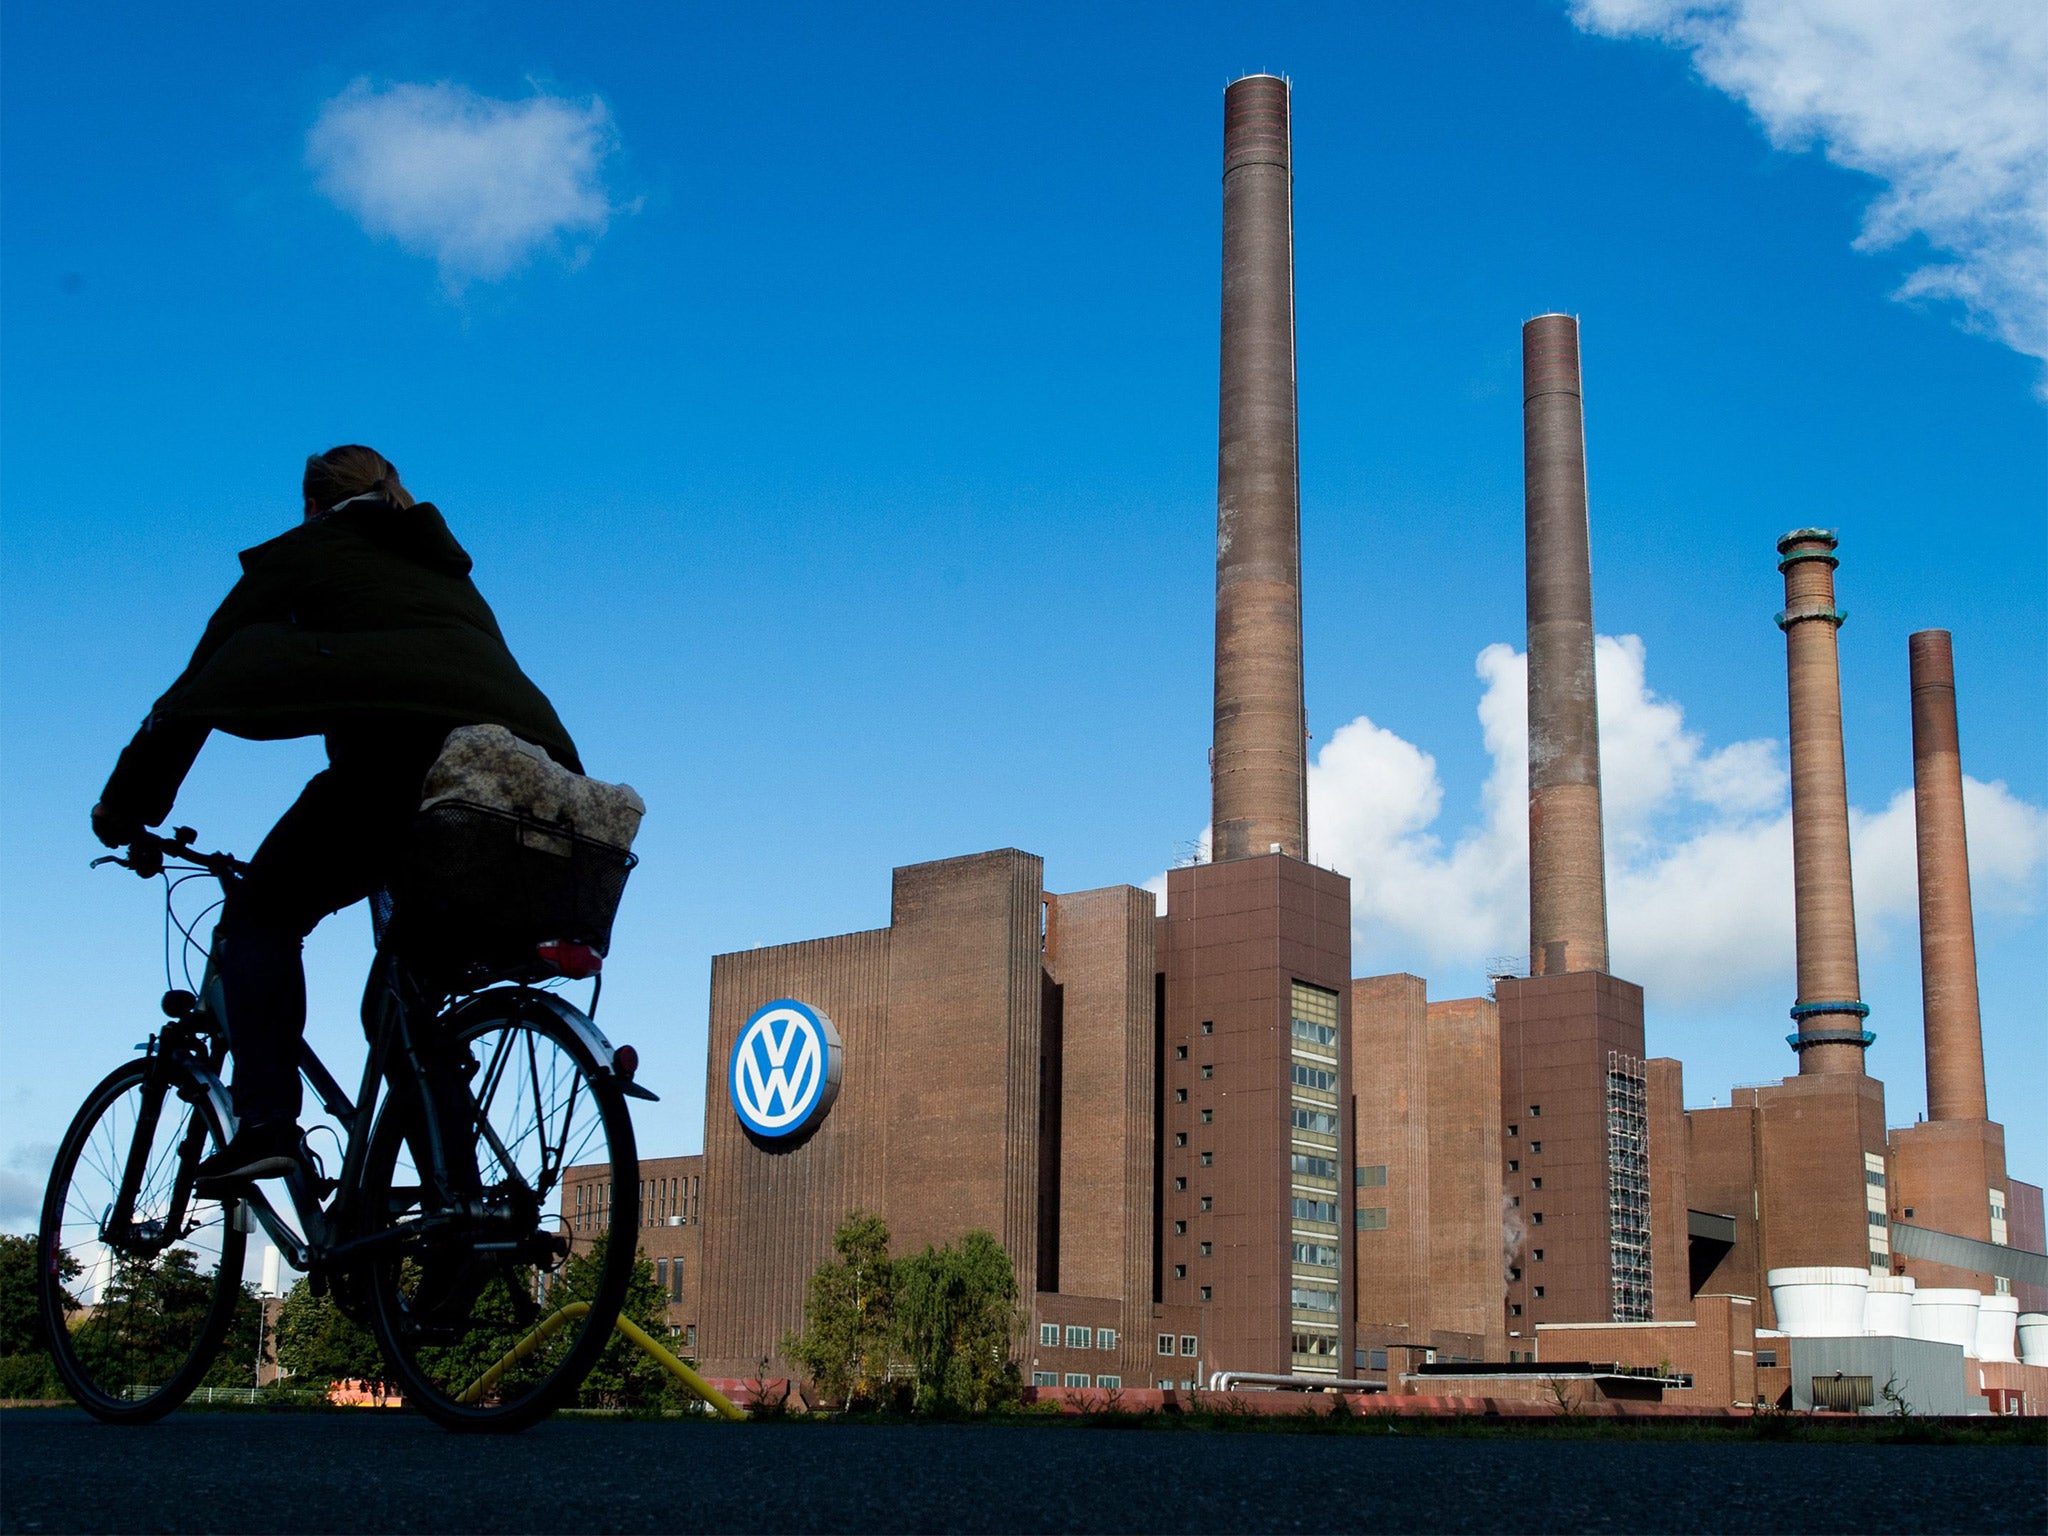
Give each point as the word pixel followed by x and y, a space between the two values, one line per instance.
pixel 363 612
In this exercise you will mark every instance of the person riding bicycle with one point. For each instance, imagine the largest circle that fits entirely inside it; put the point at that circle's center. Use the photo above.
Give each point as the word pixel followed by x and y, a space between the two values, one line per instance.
pixel 360 624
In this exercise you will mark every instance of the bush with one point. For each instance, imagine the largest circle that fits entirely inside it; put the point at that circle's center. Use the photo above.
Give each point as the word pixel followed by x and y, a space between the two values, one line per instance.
pixel 30 1377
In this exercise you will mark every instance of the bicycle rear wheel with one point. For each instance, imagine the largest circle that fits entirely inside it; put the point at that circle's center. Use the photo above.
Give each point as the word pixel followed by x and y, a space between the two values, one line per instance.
pixel 474 1314
pixel 135 1303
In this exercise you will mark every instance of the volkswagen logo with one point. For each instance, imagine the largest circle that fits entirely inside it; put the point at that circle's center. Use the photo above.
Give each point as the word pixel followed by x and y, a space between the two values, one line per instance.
pixel 785 1069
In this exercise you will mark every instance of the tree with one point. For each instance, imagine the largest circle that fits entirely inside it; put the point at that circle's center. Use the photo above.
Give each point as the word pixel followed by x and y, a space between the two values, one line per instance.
pixel 625 1375
pixel 848 1341
pixel 316 1342
pixel 21 1317
pixel 958 1319
pixel 142 1326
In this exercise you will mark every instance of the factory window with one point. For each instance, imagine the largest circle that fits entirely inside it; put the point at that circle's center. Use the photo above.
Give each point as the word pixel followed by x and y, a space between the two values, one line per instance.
pixel 1166 1343
pixel 1206 1250
pixel 1208 1202
pixel 1514 1271
pixel 1105 1338
pixel 1109 1381
pixel 1314 1344
pixel 1539 1255
pixel 1877 1218
pixel 1514 1130
pixel 1767 1359
pixel 1208 1159
pixel 1045 1378
pixel 1537 1182
pixel 1080 1338
pixel 1315 1299
pixel 1180 1271
pixel 1873 1178
pixel 1368 1218
pixel 1321 1121
pixel 1536 1217
pixel 661 1273
pixel 1180 1229
pixel 1315 1253
pixel 1180 1053
pixel 1514 1309
pixel 1514 1165
pixel 1181 1182
pixel 1317 1167
pixel 1206 1293
pixel 1187 1343
pixel 1515 1201
pixel 1539 1290
pixel 1379 1360
pixel 1077 1378
pixel 1371 1176
pixel 1318 1078
pixel 1314 1210
pixel 1208 1117
pixel 1208 1069
pixel 1180 1138
pixel 1535 1111
pixel 690 1338
pixel 1535 1146
pixel 1049 1334
pixel 1321 1034
pixel 1180 1095
pixel 1208 1027
pixel 1909 1213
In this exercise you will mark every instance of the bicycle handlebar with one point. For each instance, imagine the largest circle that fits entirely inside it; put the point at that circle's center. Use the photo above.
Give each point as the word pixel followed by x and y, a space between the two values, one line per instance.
pixel 146 855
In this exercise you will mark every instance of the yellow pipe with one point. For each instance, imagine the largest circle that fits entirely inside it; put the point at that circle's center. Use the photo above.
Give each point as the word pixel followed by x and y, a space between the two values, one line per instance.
pixel 551 1325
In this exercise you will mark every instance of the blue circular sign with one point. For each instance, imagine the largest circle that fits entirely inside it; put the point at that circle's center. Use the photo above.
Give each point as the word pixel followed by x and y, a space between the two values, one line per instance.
pixel 785 1069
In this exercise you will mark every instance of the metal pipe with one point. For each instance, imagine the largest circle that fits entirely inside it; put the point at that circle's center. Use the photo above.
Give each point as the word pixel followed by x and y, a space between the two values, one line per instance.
pixel 1224 1381
pixel 1948 935
pixel 1830 1012
pixel 1567 856
pixel 1259 762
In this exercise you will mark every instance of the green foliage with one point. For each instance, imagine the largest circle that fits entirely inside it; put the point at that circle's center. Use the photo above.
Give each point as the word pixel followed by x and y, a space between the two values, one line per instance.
pixel 625 1376
pixel 234 1363
pixel 316 1342
pixel 958 1319
pixel 847 1346
pixel 21 1319
pixel 30 1377
pixel 142 1329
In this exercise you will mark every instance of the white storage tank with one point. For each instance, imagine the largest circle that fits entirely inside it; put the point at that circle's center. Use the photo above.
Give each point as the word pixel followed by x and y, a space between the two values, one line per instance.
pixel 1947 1315
pixel 1997 1319
pixel 1888 1309
pixel 2033 1332
pixel 1820 1301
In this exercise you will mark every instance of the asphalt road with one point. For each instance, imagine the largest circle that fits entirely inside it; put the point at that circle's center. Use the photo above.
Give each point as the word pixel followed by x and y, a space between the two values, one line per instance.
pixel 372 1472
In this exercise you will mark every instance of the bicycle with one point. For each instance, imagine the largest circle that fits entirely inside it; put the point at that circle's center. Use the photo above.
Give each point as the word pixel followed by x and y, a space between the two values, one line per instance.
pixel 477 1093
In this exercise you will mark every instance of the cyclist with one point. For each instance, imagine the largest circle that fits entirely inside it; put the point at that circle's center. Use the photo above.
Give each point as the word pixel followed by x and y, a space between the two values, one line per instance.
pixel 360 624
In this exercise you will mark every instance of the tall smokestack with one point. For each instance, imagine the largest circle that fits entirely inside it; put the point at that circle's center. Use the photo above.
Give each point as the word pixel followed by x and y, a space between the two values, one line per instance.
pixel 1948 937
pixel 1567 871
pixel 1830 1011
pixel 1259 764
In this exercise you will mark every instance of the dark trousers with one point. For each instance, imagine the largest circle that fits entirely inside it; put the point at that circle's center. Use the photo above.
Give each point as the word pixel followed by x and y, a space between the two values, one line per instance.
pixel 340 841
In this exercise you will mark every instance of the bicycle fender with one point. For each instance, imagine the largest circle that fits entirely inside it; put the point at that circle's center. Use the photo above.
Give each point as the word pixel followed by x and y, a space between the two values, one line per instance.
pixel 603 1056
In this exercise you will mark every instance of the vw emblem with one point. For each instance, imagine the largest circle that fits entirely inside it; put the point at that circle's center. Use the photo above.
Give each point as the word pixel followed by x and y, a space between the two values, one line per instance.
pixel 785 1069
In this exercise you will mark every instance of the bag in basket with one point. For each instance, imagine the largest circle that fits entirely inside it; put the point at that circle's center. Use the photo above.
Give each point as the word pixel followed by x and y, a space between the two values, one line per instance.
pixel 511 851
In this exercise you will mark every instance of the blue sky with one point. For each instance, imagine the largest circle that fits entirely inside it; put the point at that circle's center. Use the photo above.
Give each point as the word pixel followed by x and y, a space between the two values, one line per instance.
pixel 830 407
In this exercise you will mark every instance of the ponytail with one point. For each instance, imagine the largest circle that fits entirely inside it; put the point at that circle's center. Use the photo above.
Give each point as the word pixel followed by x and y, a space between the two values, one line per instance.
pixel 352 470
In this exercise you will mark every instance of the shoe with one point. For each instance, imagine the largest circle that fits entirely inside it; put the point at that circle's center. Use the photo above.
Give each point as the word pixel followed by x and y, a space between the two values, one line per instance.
pixel 254 1152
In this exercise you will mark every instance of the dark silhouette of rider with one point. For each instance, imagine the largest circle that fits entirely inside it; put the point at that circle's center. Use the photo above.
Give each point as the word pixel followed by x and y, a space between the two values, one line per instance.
pixel 361 625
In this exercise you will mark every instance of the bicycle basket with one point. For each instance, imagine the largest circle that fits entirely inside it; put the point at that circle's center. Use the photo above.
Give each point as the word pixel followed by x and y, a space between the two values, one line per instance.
pixel 481 888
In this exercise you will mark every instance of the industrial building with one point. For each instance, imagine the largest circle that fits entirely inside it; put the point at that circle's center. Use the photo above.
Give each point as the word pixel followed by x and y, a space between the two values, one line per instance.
pixel 1207 1146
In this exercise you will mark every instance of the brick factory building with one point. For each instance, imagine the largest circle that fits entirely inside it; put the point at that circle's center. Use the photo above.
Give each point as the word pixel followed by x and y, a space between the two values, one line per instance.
pixel 1207 1147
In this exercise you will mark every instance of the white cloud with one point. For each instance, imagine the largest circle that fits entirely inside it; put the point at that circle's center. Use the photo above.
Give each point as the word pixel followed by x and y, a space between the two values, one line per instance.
pixel 1699 845
pixel 1945 101
pixel 478 184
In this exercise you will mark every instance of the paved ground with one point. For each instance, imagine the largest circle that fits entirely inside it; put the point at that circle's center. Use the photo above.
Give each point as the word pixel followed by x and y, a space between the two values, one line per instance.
pixel 366 1473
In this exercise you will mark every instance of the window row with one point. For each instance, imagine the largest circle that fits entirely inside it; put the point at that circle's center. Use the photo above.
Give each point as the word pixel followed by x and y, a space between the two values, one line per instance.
pixel 1319 1078
pixel 1315 1167
pixel 1077 1337
pixel 1313 1298
pixel 1370 1176
pixel 668 1274
pixel 1320 1121
pixel 1315 1253
pixel 1315 1210
pixel 1320 1034
pixel 1188 1344
pixel 1319 1345
pixel 1073 1379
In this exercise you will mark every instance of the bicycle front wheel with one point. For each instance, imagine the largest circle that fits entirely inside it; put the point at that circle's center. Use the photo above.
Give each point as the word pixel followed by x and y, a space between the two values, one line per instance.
pixel 138 1281
pixel 487 1319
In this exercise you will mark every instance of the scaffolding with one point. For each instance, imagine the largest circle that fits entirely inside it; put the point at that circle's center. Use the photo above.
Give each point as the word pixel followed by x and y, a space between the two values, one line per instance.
pixel 1628 1188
